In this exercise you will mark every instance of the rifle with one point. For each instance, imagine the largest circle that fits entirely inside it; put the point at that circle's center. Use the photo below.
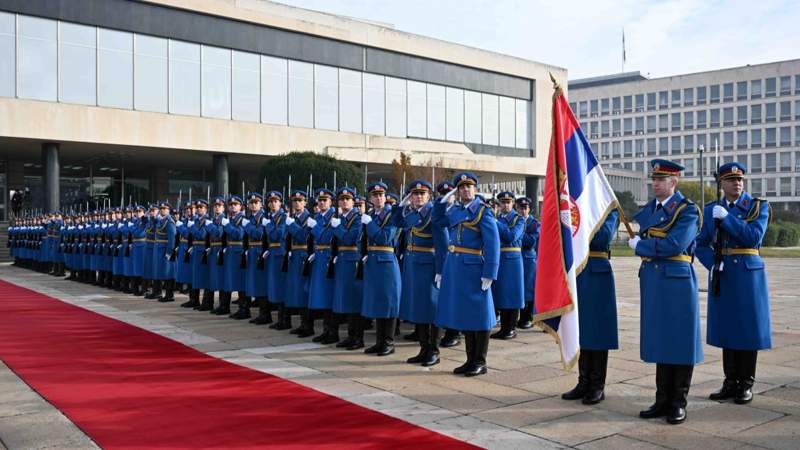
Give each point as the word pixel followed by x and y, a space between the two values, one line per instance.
pixel 245 249
pixel 364 252
pixel 399 251
pixel 331 268
pixel 207 247
pixel 129 244
pixel 264 249
pixel 174 255
pixel 288 253
pixel 223 247
pixel 189 242
pixel 716 242
pixel 309 252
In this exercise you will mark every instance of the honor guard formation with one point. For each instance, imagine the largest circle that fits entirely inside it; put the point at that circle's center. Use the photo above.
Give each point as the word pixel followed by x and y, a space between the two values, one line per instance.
pixel 446 259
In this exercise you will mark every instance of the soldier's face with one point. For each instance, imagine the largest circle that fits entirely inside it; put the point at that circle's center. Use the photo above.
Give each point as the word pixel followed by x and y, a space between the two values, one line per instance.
pixel 274 205
pixel 523 210
pixel 323 204
pixel 419 198
pixel 664 187
pixel 299 205
pixel 378 199
pixel 235 207
pixel 219 208
pixel 164 212
pixel 202 210
pixel 139 213
pixel 255 206
pixel 506 205
pixel 733 187
pixel 346 204
pixel 467 192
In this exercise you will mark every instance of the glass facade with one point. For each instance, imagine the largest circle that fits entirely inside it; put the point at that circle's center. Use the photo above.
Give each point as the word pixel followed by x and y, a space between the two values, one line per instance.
pixel 59 61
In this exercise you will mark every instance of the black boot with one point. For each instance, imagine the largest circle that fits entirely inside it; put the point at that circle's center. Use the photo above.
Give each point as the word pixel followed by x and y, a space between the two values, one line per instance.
pixel 597 377
pixel 422 333
pixel 284 319
pixel 681 380
pixel 357 331
pixel 110 280
pixel 432 357
pixel 351 331
pixel 469 343
pixel 508 320
pixel 169 294
pixel 331 326
pixel 413 336
pixel 224 304
pixel 194 299
pixel 208 301
pixel 126 285
pixel 450 338
pixel 243 312
pixel 746 374
pixel 728 389
pixel 479 354
pixel 663 387
pixel 584 370
pixel 306 328
pixel 379 330
pixel 155 290
pixel 264 317
pixel 387 343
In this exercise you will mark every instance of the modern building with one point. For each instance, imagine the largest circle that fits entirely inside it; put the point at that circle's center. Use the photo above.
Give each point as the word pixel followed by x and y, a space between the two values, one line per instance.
pixel 752 112
pixel 150 98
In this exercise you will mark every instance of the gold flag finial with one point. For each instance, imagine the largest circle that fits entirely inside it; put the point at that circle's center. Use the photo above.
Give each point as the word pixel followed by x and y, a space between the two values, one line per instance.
pixel 556 87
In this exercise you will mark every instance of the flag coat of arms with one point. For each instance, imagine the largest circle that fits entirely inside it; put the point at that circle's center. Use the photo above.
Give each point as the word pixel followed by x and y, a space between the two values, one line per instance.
pixel 576 200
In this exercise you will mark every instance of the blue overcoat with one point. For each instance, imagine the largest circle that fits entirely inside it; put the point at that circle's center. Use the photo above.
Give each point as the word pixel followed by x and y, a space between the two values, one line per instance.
pixel 163 268
pixel 320 288
pixel 276 279
pixel 150 240
pixel 199 270
pixel 183 270
pixel 234 273
pixel 348 292
pixel 508 291
pixel 216 273
pixel 255 280
pixel 296 283
pixel 597 297
pixel 530 249
pixel 138 248
pixel 381 270
pixel 419 295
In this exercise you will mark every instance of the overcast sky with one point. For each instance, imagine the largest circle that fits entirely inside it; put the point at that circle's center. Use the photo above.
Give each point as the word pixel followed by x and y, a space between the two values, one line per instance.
pixel 663 37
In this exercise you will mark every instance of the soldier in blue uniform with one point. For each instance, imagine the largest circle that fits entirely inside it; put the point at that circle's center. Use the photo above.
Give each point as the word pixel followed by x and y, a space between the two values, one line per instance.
pixel 670 317
pixel 419 293
pixel 348 290
pixel 109 249
pixel 530 246
pixel 597 314
pixel 320 289
pixel 150 241
pixel 127 260
pixel 450 338
pixel 183 266
pixel 276 277
pixel 201 243
pixel 739 314
pixel 465 296
pixel 381 271
pixel 508 291
pixel 117 250
pixel 235 272
pixel 163 268
pixel 297 283
pixel 138 237
pixel 255 281
pixel 217 240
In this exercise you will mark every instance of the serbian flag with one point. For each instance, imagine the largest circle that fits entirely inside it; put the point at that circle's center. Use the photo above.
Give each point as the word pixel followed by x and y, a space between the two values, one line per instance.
pixel 577 198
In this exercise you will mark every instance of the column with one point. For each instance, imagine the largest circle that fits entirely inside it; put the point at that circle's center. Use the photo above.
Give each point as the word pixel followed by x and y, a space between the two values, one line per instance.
pixel 220 175
pixel 51 170
pixel 532 191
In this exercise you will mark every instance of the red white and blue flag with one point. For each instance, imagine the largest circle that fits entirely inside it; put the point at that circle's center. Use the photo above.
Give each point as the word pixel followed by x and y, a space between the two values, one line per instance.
pixel 577 198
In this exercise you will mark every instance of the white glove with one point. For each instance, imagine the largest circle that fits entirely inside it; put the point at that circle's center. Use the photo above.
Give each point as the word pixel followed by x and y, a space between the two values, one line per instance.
pixel 264 222
pixel 225 221
pixel 335 258
pixel 166 256
pixel 208 222
pixel 364 259
pixel 406 200
pixel 719 212
pixel 289 220
pixel 633 242
pixel 335 222
pixel 245 222
pixel 366 219
pixel 447 196
pixel 312 256
pixel 437 280
pixel 311 223
pixel 190 223
pixel 130 224
pixel 178 224
pixel 486 283
pixel 265 254
pixel 189 250
pixel 80 227
pixel 104 226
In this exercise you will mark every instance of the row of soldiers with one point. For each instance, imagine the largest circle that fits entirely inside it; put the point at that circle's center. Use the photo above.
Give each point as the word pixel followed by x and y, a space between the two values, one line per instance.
pixel 449 261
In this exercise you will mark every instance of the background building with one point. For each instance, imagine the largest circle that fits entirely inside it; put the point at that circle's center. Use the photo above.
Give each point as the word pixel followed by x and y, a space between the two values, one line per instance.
pixel 752 111
pixel 144 99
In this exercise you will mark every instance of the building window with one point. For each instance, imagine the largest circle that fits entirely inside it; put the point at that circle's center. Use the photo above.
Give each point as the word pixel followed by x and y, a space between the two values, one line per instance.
pixel 771 165
pixel 769 90
pixel 651 147
pixel 713 140
pixel 771 190
pixel 755 138
pixel 628 146
pixel 676 145
pixel 727 92
pixel 755 114
pixel 639 148
pixel 770 137
pixel 150 78
pixel 490 119
pixel 755 89
pixel 639 102
pixel 714 94
pixel 651 124
pixel 797 162
pixel 523 118
pixel 688 143
pixel 275 91
pixel 663 124
pixel 326 97
pixel 616 129
pixel 676 121
pixel 688 120
pixel 604 150
pixel 741 90
pixel 615 149
pixel 594 108
pixel 727 117
pixel 797 136
pixel 741 115
pixel 38 58
pixel 688 97
pixel 727 140
pixel 797 186
pixel 676 98
pixel 701 118
pixel 246 87
pixel 701 141
pixel 797 84
pixel 437 116
pixel 583 109
pixel 786 136
pixel 786 85
pixel 627 104
pixel 663 146
pixel 216 83
pixel 770 113
pixel 604 106
pixel 373 98
pixel 786 187
pixel 507 110
pixel 797 110
pixel 640 125
pixel 184 78
pixel 472 117
pixel 114 69
pixel 616 105
pixel 756 163
pixel 786 111
pixel 741 139
pixel 651 98
pixel 455 118
pixel 755 187
pixel 689 165
pixel 627 126
pixel 350 102
pixel 701 95
pixel 301 95
pixel 714 118
pixel 604 129
pixel 593 130
pixel 786 161
pixel 663 100
pixel 77 62
pixel 8 52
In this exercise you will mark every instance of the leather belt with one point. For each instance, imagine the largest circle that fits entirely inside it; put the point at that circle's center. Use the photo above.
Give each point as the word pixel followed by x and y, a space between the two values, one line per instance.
pixel 322 247
pixel 682 258
pixel 380 248
pixel 467 250
pixel 139 240
pixel 603 255
pixel 421 249
pixel 351 248
pixel 275 245
pixel 234 242
pixel 510 249
pixel 740 251
pixel 299 247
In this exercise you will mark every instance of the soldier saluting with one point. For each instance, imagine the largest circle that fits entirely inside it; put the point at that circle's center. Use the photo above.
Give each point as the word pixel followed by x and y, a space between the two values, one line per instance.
pixel 738 314
pixel 670 312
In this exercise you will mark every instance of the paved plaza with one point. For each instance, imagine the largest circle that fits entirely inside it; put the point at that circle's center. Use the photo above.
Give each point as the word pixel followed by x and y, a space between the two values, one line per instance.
pixel 517 405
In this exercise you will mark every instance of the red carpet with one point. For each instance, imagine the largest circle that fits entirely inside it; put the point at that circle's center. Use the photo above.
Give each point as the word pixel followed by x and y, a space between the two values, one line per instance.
pixel 129 388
